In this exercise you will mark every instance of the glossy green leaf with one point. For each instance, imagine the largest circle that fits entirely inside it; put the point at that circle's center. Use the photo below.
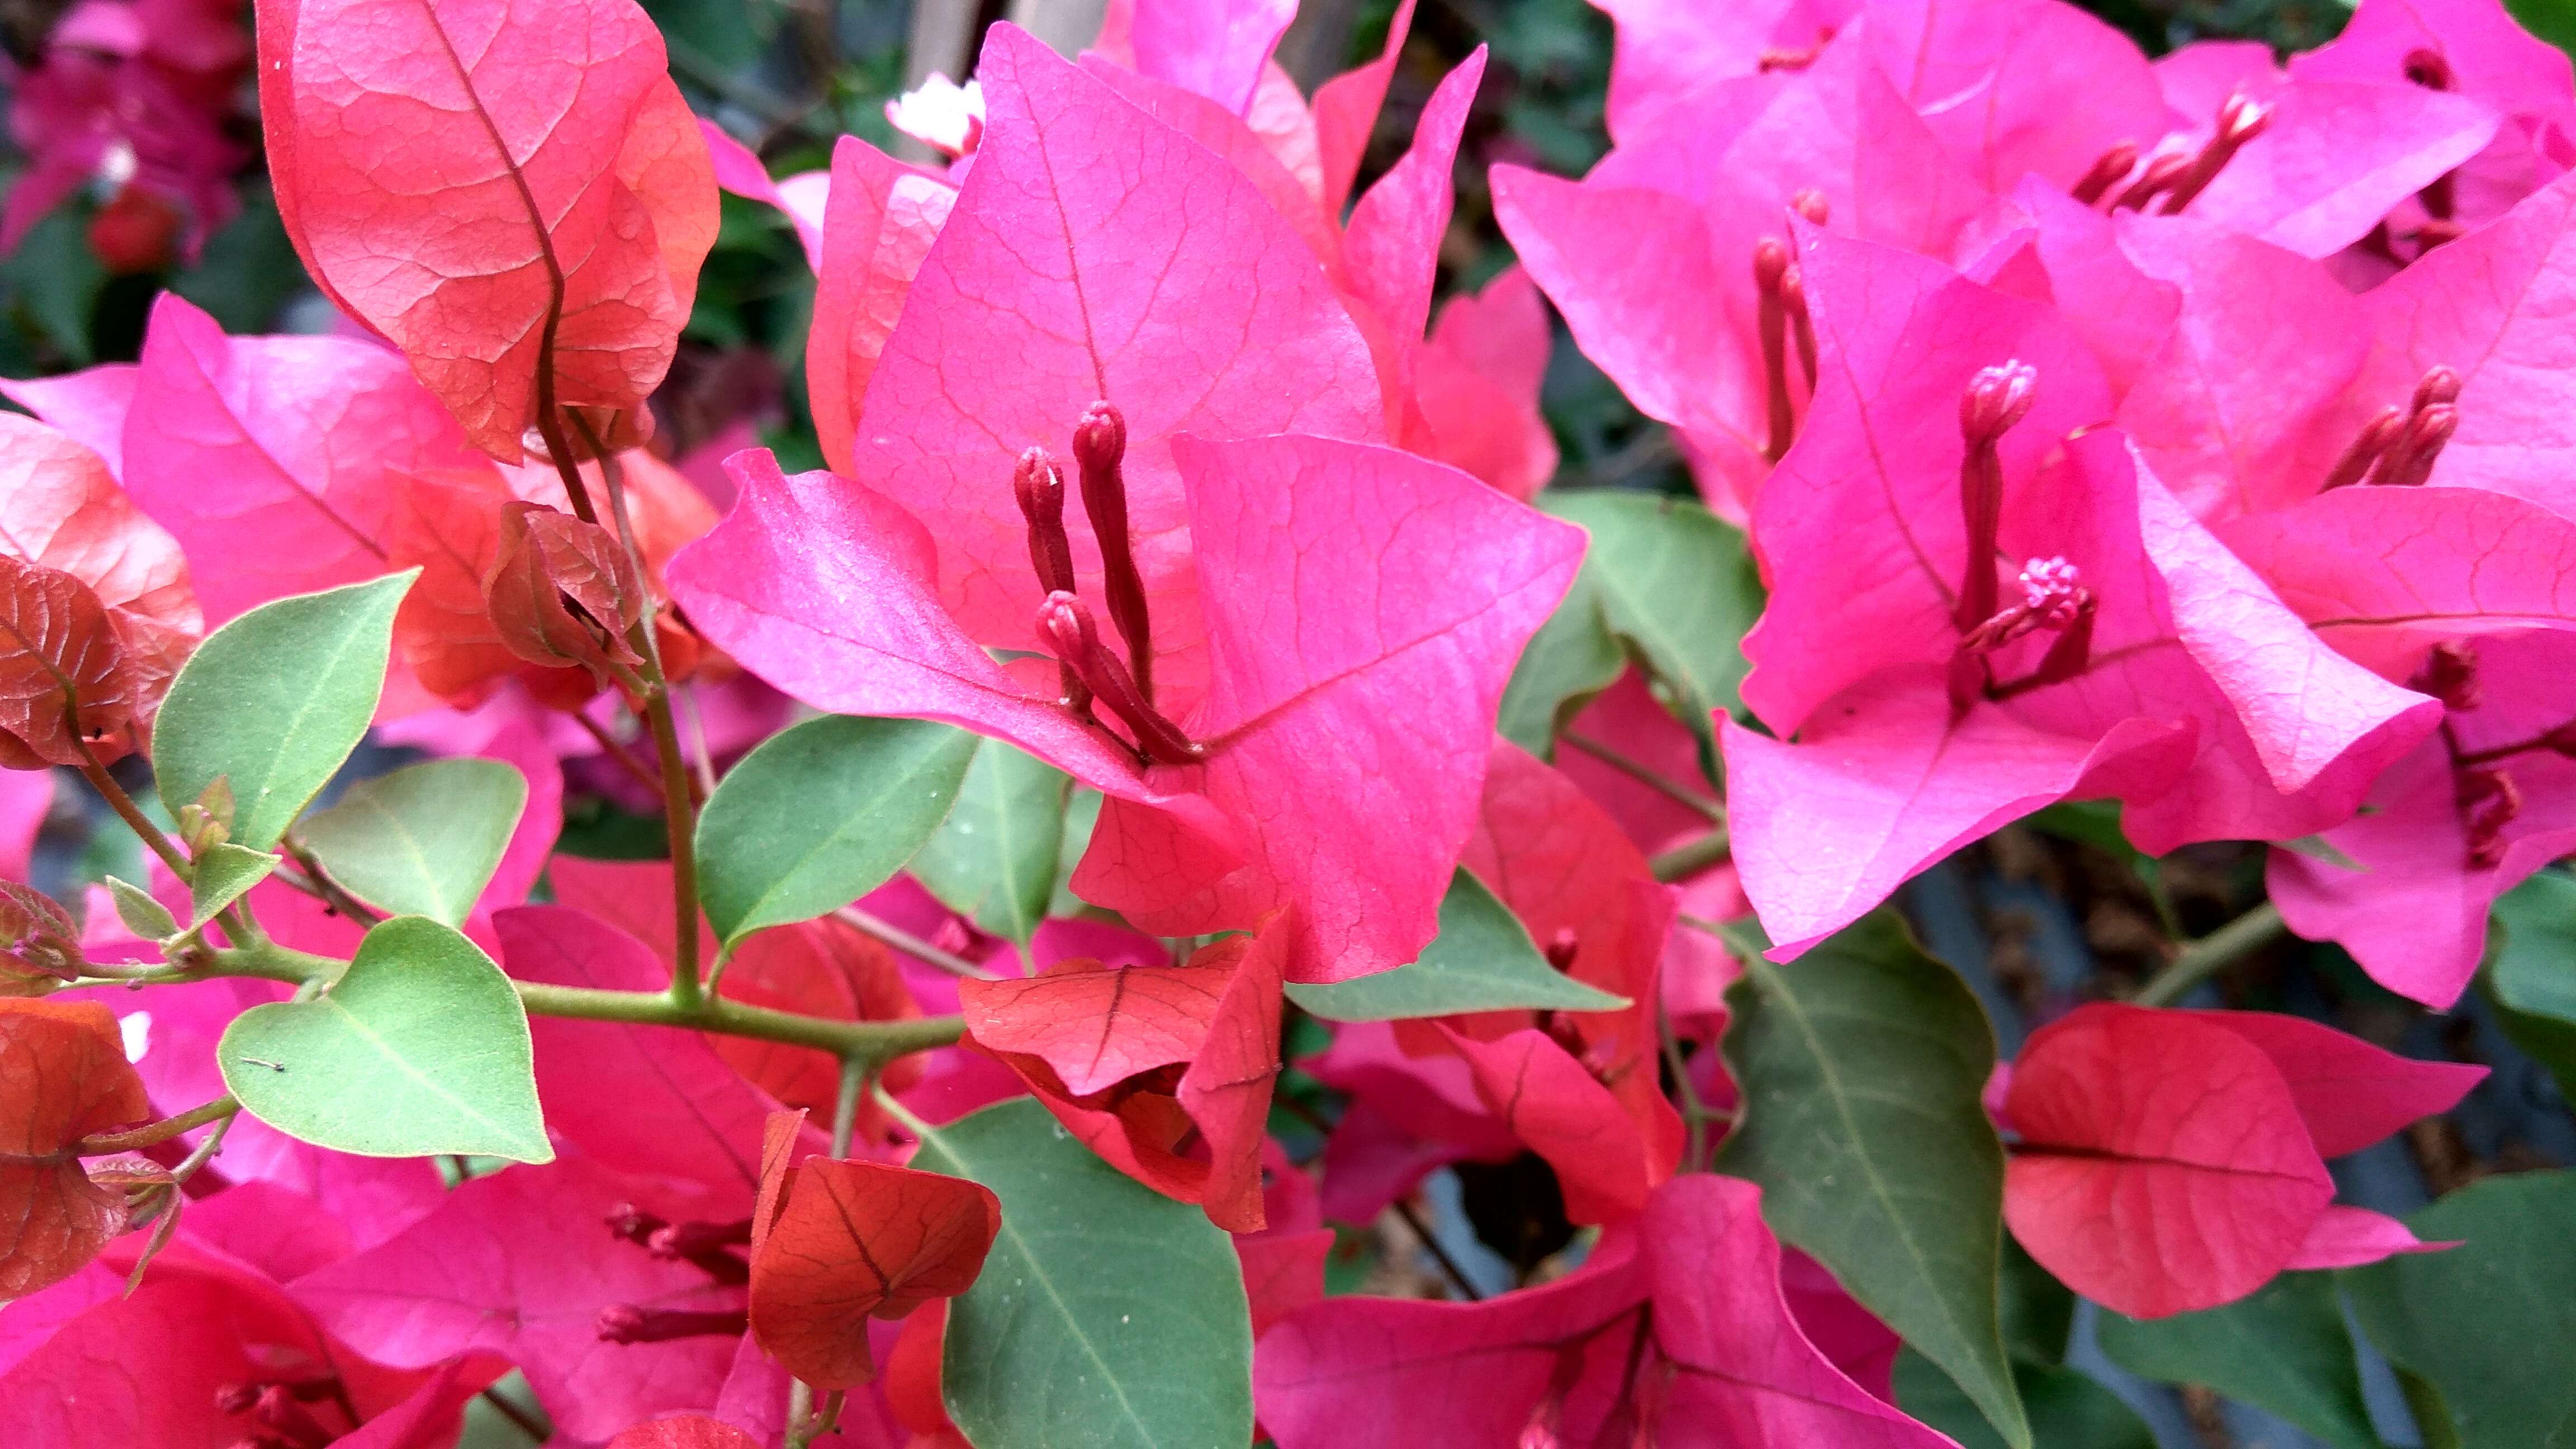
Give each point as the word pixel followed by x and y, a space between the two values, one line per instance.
pixel 1482 960
pixel 820 815
pixel 2284 1349
pixel 1570 659
pixel 422 840
pixel 274 701
pixel 2490 1324
pixel 144 916
pixel 994 858
pixel 1861 1068
pixel 1108 1315
pixel 222 874
pixel 2067 1409
pixel 1674 583
pixel 420 1047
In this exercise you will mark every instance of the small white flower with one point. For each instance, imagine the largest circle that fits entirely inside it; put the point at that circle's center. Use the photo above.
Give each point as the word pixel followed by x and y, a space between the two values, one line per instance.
pixel 941 114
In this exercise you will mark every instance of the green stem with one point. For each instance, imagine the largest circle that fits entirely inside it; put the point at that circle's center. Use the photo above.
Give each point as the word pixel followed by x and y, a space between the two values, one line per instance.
pixel 1692 856
pixel 869 1042
pixel 152 1133
pixel 1648 776
pixel 1696 1116
pixel 845 1108
pixel 134 818
pixel 2213 953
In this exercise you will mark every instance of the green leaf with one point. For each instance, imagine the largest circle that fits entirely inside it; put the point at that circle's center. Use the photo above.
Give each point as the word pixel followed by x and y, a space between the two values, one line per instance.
pixel 2068 1410
pixel 142 915
pixel 274 701
pixel 222 874
pixel 2531 976
pixel 820 815
pixel 422 840
pixel 1861 1068
pixel 1676 584
pixel 420 1047
pixel 1107 1316
pixel 1569 660
pixel 1081 815
pixel 1482 960
pixel 2535 963
pixel 2284 1349
pixel 2489 1324
pixel 994 860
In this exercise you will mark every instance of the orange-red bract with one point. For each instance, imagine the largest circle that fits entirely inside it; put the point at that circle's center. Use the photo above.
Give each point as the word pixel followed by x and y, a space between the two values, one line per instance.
pixel 63 1076
pixel 39 945
pixel 60 507
pixel 512 192
pixel 1143 1062
pixel 547 563
pixel 840 1242
pixel 63 672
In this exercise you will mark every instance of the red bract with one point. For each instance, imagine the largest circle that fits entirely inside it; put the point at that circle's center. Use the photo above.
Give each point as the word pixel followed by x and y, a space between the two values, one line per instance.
pixel 2171 1161
pixel 555 265
pixel 2139 659
pixel 848 1241
pixel 64 1076
pixel 1165 1071
pixel 1675 1332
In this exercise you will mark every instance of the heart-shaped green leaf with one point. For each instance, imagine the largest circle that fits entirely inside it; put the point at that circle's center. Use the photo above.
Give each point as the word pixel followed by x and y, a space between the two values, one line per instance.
pixel 1107 1314
pixel 420 1047
pixel 1482 960
pixel 423 840
pixel 995 857
pixel 222 874
pixel 274 701
pixel 822 814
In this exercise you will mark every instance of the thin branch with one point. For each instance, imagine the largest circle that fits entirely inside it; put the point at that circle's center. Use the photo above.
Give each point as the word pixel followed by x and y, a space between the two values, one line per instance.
pixel 870 1041
pixel 845 1107
pixel 102 1144
pixel 679 808
pixel 329 890
pixel 133 816
pixel 1647 775
pixel 1696 1114
pixel 616 749
pixel 2213 953
pixel 911 945
pixel 1448 1266
pixel 1692 856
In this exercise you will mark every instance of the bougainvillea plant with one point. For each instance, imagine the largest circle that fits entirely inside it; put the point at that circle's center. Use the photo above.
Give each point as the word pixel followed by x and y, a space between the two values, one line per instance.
pixel 1185 780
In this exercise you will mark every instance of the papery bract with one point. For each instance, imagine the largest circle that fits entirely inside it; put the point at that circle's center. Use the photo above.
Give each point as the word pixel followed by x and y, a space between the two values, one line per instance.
pixel 1675 1332
pixel 2473 812
pixel 2163 1165
pixel 854 1240
pixel 552 261
pixel 267 457
pixel 64 1075
pixel 1136 1059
